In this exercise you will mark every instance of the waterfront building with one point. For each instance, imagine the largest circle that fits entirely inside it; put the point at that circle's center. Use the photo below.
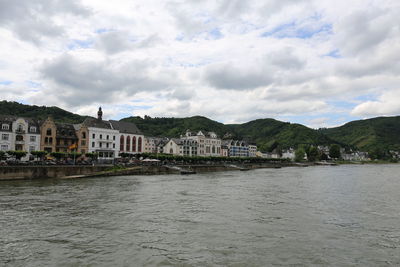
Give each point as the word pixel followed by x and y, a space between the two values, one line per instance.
pixel 151 144
pixel 57 137
pixel 237 148
pixel 252 150
pixel 208 142
pixel 181 147
pixel 20 134
pixel 131 139
pixel 224 150
pixel 288 154
pixel 101 137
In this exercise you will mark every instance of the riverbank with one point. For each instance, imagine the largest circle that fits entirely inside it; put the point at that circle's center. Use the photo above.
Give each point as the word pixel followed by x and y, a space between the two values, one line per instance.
pixel 71 172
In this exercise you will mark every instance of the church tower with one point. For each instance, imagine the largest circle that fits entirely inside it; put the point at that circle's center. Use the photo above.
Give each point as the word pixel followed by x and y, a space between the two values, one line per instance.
pixel 100 114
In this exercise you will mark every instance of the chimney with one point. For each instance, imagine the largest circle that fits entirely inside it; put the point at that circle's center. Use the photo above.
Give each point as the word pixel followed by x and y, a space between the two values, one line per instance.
pixel 100 114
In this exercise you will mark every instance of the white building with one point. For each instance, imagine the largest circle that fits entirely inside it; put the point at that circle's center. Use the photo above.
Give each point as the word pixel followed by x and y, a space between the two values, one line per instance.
pixel 208 143
pixel 131 139
pixel 20 134
pixel 102 138
pixel 288 154
pixel 252 150
pixel 150 144
pixel 181 147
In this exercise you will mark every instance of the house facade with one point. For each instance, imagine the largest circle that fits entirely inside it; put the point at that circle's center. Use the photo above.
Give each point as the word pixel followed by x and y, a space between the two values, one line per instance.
pixel 57 137
pixel 208 143
pixel 131 139
pixel 20 134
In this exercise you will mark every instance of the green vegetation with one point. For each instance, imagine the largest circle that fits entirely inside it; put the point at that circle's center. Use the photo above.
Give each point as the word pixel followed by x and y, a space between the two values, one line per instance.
pixel 368 135
pixel 58 155
pixel 17 154
pixel 39 154
pixel 40 113
pixel 268 134
pixel 377 136
pixel 334 152
pixel 299 154
pixel 3 155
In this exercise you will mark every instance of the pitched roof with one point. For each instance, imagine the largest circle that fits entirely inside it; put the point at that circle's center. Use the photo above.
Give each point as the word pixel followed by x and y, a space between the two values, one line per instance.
pixel 125 127
pixel 96 123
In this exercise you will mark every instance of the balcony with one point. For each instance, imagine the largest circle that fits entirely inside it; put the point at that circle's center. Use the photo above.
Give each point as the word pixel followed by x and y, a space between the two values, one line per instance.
pixel 20 131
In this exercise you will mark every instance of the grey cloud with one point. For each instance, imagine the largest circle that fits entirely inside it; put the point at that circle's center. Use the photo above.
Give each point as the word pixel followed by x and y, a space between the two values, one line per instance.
pixel 285 59
pixel 78 82
pixel 119 41
pixel 361 31
pixel 114 42
pixel 32 20
pixel 234 78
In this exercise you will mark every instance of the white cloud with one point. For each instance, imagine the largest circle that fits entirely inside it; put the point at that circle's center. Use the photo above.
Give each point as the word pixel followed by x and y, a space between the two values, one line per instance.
pixel 229 60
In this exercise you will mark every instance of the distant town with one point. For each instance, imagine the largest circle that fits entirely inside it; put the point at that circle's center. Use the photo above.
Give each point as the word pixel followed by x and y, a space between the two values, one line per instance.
pixel 27 139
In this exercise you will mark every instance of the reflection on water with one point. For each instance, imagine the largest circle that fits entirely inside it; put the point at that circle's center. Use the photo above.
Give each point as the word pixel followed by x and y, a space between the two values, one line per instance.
pixel 346 215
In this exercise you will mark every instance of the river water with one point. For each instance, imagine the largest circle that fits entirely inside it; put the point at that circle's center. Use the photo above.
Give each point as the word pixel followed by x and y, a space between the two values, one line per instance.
pixel 337 216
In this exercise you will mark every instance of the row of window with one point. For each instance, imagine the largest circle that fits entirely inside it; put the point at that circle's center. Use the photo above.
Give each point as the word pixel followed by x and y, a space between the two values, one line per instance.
pixel 101 137
pixel 101 145
pixel 6 148
pixel 127 146
pixel 6 137
pixel 20 127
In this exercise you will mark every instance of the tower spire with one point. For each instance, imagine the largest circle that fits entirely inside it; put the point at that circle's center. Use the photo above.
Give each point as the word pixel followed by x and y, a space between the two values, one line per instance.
pixel 100 114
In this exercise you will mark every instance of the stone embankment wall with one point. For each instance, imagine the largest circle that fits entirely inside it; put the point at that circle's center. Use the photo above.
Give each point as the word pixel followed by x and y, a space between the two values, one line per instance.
pixel 35 172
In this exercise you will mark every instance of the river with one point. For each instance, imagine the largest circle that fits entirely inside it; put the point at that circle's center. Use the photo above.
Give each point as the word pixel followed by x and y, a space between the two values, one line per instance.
pixel 324 216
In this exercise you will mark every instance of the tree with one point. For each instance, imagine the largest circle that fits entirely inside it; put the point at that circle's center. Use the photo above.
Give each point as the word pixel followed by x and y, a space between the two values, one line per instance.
pixel 39 154
pixel 58 155
pixel 334 151
pixel 299 154
pixel 17 154
pixel 312 154
pixel 2 155
pixel 92 156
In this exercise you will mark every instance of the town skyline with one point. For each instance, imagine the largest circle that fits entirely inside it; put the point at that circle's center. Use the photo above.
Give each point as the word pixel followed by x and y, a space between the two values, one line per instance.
pixel 309 62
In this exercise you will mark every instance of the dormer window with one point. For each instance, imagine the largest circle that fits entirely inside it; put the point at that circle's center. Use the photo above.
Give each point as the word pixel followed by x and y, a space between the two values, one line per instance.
pixel 32 129
pixel 20 128
pixel 5 126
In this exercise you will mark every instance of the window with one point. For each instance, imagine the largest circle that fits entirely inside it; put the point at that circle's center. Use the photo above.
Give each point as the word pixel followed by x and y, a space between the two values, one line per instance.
pixel 108 137
pixel 94 136
pixel 83 151
pixel 5 127
pixel 20 128
pixel 140 144
pixel 114 137
pixel 121 143
pixel 31 148
pixel 100 144
pixel 4 147
pixel 93 144
pixel 19 138
pixel 83 143
pixel 83 135
pixel 101 136
pixel 107 145
pixel 48 132
pixel 4 137
pixel 51 140
pixel 32 129
pixel 113 145
pixel 32 138
pixel 128 143
pixel 134 144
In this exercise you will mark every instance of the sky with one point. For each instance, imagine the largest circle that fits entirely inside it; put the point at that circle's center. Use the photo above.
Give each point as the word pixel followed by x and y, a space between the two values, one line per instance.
pixel 321 63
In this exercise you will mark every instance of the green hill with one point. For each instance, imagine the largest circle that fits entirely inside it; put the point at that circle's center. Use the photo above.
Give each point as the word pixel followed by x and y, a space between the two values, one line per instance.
pixel 38 112
pixel 174 127
pixel 266 133
pixel 376 133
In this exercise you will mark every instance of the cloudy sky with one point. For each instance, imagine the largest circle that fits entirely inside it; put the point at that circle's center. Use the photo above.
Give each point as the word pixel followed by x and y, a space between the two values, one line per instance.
pixel 317 62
